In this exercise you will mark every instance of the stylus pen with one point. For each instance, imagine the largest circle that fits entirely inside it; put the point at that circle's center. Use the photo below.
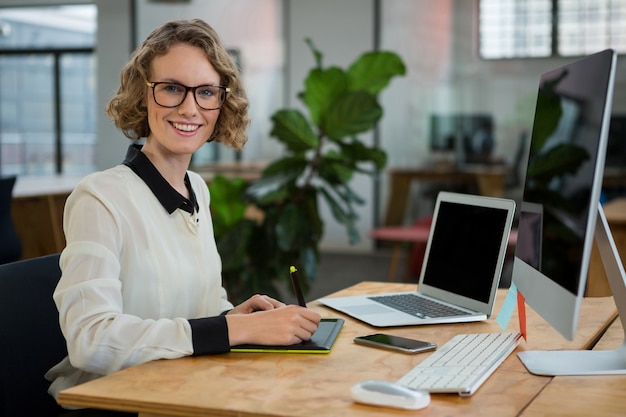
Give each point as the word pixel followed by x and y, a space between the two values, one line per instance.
pixel 296 285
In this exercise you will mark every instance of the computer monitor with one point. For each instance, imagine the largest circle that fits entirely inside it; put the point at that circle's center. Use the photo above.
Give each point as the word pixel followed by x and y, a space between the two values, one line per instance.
pixel 468 137
pixel 560 211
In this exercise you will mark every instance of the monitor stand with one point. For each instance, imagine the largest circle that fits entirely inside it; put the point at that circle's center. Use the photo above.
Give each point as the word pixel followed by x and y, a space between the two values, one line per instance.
pixel 589 362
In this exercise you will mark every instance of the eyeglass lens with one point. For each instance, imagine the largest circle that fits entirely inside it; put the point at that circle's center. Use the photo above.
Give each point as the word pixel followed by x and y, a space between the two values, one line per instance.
pixel 208 97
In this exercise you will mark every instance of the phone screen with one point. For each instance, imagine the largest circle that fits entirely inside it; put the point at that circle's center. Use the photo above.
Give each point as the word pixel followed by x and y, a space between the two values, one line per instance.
pixel 388 341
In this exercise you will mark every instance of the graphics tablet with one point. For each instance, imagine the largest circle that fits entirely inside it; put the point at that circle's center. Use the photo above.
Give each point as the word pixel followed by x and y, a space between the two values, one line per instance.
pixel 321 342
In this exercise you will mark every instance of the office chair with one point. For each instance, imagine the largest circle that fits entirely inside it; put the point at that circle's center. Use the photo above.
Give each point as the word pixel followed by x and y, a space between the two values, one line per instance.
pixel 31 341
pixel 11 248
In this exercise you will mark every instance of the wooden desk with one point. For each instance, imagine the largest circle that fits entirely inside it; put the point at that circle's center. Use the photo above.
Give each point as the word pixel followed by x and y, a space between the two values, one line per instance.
pixel 596 396
pixel 266 384
pixel 489 179
pixel 247 170
pixel 37 211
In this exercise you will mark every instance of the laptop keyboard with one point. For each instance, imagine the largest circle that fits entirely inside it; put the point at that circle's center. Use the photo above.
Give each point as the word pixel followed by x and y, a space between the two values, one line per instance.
pixel 418 306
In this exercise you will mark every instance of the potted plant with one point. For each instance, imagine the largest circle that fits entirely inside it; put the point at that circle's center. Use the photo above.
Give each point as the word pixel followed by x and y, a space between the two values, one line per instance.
pixel 322 154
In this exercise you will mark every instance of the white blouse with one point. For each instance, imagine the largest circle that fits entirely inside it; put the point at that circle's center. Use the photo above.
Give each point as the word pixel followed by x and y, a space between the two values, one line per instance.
pixel 132 276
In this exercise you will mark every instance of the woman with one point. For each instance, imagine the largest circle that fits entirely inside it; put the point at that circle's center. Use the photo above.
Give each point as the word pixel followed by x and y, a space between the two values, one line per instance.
pixel 141 276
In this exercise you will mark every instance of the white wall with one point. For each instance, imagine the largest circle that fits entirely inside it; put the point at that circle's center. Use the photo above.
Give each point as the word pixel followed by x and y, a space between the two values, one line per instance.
pixel 113 47
pixel 421 33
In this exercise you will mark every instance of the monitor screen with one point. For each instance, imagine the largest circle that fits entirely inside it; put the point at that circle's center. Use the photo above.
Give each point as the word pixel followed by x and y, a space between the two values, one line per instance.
pixel 562 188
pixel 469 137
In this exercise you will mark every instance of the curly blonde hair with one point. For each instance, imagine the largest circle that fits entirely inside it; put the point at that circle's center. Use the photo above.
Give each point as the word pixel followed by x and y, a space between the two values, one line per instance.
pixel 130 115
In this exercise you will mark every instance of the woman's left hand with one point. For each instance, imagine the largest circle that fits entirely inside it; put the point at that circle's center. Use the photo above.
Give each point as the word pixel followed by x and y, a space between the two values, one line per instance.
pixel 257 302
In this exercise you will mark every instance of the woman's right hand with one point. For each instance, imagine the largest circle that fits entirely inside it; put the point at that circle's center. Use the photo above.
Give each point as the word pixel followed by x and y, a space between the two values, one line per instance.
pixel 286 325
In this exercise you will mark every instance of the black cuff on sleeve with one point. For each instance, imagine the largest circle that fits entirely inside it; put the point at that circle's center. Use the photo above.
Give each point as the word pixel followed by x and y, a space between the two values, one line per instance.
pixel 209 335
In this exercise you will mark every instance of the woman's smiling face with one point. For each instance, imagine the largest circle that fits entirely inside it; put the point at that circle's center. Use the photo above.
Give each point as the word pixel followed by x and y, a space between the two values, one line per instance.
pixel 183 129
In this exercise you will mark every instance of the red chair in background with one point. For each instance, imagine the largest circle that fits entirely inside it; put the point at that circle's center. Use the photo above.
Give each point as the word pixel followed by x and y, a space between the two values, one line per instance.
pixel 402 238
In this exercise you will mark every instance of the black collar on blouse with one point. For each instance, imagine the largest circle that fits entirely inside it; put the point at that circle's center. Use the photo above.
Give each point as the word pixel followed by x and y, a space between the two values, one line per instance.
pixel 164 192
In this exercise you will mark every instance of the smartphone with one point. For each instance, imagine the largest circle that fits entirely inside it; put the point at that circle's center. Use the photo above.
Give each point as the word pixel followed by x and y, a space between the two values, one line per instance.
pixel 397 343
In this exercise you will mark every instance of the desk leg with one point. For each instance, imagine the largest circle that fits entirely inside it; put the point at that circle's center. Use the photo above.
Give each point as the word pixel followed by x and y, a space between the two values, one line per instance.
pixel 396 254
pixel 399 186
pixel 490 185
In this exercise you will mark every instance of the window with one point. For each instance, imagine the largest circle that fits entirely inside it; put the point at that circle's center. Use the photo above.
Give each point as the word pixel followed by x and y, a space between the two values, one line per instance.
pixel 47 90
pixel 515 28
pixel 543 28
pixel 586 26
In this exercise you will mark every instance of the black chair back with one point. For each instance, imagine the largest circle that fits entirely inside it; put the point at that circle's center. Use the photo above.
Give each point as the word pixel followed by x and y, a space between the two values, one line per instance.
pixel 31 341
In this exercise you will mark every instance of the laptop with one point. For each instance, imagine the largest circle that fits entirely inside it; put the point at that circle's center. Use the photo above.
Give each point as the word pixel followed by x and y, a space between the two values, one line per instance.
pixel 460 273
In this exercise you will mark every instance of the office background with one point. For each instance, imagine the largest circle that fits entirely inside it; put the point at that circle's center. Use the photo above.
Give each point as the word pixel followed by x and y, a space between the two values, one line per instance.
pixel 437 39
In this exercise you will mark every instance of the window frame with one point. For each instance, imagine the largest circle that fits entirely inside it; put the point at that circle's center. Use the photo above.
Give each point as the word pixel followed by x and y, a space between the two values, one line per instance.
pixel 57 55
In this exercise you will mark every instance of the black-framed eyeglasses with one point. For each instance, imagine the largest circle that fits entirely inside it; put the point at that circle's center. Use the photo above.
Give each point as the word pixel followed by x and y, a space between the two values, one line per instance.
pixel 168 94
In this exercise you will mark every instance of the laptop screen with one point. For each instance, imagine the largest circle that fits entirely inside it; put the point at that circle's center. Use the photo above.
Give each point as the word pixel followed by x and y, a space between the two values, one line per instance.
pixel 464 249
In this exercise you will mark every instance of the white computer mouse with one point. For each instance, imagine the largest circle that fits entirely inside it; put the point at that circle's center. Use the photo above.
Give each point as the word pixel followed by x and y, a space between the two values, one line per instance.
pixel 389 394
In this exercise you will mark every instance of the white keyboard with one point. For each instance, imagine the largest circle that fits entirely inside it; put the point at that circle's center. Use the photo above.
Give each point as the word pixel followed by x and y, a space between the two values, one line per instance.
pixel 462 364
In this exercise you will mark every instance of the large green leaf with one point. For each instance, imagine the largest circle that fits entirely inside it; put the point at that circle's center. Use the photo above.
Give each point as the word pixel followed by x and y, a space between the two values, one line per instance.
pixel 322 89
pixel 227 204
pixel 372 71
pixel 290 225
pixel 292 128
pixel 309 209
pixel 274 197
pixel 352 113
pixel 290 164
pixel 334 171
pixel 272 186
pixel 232 245
pixel 348 195
pixel 308 260
pixel 298 220
pixel 269 184
pixel 347 217
pixel 357 152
